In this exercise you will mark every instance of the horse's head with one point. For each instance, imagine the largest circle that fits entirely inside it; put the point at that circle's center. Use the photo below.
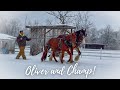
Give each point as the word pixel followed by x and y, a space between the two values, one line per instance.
pixel 81 32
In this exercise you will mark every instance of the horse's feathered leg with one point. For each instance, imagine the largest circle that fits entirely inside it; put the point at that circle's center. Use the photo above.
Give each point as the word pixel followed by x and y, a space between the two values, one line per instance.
pixel 53 54
pixel 79 53
pixel 45 53
pixel 61 56
pixel 71 58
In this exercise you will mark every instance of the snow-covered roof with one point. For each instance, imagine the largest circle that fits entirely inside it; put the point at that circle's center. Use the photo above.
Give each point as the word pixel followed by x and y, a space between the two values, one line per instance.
pixel 6 37
pixel 61 26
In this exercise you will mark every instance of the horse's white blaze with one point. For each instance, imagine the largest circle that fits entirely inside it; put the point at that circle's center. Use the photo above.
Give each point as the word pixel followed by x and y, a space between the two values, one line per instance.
pixel 83 41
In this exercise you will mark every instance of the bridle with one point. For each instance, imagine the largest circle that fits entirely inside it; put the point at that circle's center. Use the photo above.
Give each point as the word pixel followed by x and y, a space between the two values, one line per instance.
pixel 78 40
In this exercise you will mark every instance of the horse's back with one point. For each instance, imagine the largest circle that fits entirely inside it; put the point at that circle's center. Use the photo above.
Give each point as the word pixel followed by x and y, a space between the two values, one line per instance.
pixel 53 42
pixel 62 36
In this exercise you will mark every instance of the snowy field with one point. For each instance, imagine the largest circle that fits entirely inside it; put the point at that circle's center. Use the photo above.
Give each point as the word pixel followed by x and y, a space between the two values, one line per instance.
pixel 92 65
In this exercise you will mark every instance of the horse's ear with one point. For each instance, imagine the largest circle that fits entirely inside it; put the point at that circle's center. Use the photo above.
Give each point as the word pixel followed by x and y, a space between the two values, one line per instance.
pixel 85 30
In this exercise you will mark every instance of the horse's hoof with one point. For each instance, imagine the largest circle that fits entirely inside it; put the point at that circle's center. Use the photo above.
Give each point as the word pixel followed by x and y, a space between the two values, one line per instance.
pixel 62 62
pixel 48 55
pixel 68 61
pixel 50 59
pixel 56 61
pixel 77 58
pixel 71 61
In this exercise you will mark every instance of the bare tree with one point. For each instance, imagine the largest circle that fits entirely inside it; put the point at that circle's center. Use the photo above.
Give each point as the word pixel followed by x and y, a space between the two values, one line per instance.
pixel 36 23
pixel 11 27
pixel 4 26
pixel 108 37
pixel 14 27
pixel 92 36
pixel 48 22
pixel 29 23
pixel 82 20
pixel 63 17
pixel 118 38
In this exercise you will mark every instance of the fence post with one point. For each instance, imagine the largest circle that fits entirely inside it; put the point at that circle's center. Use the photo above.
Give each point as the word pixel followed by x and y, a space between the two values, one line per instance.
pixel 101 53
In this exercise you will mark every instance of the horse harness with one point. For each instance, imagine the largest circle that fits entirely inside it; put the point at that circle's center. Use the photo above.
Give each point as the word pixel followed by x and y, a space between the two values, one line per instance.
pixel 67 42
pixel 78 40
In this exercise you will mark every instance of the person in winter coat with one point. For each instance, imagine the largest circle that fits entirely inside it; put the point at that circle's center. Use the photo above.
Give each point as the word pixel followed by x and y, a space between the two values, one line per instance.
pixel 21 40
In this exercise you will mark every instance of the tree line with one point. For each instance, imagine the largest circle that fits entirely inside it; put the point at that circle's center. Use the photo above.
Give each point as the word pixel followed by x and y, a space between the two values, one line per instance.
pixel 81 19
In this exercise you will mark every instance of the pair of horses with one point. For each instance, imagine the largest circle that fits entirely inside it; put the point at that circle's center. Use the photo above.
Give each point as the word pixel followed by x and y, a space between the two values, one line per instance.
pixel 65 43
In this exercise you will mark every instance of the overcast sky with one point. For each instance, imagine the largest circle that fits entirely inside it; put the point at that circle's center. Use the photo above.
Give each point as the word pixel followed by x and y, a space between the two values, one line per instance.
pixel 99 18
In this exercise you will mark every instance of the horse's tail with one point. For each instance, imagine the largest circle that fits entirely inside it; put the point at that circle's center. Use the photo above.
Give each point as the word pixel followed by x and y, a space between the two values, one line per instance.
pixel 45 52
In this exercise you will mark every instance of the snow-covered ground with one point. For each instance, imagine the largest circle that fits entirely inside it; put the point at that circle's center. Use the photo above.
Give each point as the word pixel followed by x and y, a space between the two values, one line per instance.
pixel 88 67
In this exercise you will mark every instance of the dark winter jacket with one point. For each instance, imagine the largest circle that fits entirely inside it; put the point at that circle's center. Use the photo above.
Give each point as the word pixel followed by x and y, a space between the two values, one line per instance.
pixel 21 40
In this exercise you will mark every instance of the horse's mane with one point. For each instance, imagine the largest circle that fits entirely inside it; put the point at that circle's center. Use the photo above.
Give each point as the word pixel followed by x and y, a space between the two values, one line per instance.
pixel 77 33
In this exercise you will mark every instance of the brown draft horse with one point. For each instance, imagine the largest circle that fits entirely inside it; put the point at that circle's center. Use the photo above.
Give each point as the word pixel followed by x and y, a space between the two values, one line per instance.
pixel 80 35
pixel 60 45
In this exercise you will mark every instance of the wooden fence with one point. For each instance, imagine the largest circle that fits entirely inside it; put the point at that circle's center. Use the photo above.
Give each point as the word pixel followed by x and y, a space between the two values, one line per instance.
pixel 100 53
